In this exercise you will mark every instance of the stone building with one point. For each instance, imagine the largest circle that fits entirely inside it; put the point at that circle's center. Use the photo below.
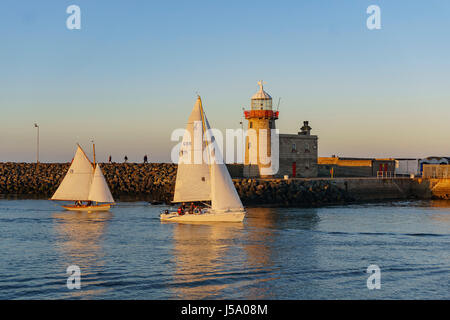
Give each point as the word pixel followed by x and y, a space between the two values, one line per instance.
pixel 297 153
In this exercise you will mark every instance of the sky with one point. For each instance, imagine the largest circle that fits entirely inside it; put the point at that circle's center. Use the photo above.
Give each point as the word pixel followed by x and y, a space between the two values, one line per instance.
pixel 131 74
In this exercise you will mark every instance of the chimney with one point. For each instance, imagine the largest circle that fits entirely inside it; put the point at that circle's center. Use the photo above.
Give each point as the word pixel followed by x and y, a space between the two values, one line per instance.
pixel 306 129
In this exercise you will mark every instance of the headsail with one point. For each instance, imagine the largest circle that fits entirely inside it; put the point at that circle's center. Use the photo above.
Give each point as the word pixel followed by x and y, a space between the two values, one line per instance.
pixel 193 181
pixel 224 196
pixel 99 191
pixel 77 182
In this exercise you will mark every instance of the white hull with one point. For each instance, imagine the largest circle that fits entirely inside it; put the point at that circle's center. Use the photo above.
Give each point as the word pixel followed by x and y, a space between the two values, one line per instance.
pixel 205 217
pixel 100 207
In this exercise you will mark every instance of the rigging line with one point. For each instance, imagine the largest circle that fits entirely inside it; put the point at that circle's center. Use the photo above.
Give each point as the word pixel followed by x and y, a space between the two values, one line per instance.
pixel 209 156
pixel 204 133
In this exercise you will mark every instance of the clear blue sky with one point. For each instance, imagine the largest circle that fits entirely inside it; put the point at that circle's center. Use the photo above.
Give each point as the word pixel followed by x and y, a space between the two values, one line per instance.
pixel 130 75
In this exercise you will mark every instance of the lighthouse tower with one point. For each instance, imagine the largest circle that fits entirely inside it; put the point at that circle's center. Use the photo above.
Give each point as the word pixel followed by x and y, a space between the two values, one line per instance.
pixel 261 119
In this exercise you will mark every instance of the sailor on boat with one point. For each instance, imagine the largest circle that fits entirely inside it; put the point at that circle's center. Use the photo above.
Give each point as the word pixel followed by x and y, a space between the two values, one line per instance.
pixel 193 209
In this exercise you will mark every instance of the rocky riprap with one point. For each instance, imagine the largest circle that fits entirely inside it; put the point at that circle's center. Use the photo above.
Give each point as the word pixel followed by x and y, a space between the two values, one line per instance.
pixel 156 181
pixel 291 192
pixel 131 181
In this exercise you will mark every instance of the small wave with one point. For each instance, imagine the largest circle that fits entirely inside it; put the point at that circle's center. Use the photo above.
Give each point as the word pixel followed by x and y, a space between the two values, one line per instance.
pixel 426 234
pixel 388 234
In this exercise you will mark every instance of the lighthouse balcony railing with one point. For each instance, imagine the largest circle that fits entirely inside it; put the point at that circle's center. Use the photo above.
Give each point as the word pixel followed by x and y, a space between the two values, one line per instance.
pixel 266 114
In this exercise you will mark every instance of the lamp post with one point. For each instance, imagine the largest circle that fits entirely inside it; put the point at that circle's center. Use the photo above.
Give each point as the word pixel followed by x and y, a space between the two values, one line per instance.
pixel 37 150
pixel 93 147
pixel 243 136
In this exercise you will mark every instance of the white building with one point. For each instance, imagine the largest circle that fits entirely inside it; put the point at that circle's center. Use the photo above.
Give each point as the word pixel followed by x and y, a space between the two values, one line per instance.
pixel 433 160
pixel 410 166
pixel 407 167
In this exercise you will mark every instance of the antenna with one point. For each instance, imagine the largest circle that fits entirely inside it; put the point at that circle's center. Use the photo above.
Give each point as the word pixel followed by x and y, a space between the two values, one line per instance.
pixel 278 106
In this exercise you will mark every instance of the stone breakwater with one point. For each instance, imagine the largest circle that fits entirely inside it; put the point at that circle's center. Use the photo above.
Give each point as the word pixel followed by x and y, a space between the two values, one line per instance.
pixel 153 181
pixel 156 182
pixel 292 192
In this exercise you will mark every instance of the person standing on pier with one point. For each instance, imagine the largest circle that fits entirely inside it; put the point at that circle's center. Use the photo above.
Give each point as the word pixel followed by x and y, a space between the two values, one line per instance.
pixel 110 159
pixel 145 159
pixel 125 159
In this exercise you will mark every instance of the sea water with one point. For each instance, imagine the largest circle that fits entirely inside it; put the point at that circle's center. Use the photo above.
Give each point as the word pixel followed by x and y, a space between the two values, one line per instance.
pixel 277 253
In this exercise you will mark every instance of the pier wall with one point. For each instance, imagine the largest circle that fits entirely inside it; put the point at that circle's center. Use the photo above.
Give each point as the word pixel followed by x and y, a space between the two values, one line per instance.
pixel 368 189
pixel 431 188
pixel 156 181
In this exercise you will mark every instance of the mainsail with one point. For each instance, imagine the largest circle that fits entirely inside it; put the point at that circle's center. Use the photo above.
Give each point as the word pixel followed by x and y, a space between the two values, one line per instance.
pixel 77 182
pixel 99 191
pixel 193 181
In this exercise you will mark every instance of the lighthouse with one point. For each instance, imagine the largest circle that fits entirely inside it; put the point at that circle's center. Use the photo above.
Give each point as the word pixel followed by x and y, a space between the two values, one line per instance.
pixel 261 120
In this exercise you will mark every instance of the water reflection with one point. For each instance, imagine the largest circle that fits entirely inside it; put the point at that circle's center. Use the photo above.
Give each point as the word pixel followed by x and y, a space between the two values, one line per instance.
pixel 261 235
pixel 445 204
pixel 441 216
pixel 79 240
pixel 212 259
pixel 200 252
pixel 276 218
pixel 273 245
pixel 260 248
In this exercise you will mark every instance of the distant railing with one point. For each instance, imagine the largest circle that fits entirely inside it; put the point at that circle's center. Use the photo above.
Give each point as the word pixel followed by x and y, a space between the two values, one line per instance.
pixel 385 174
pixel 436 171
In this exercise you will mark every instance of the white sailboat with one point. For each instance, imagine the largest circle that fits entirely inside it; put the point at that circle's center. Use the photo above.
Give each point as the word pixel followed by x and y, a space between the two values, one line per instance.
pixel 204 181
pixel 84 181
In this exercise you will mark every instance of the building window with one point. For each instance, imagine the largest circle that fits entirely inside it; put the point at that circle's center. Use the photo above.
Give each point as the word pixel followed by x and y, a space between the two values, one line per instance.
pixel 270 124
pixel 251 124
pixel 307 148
pixel 307 164
pixel 294 147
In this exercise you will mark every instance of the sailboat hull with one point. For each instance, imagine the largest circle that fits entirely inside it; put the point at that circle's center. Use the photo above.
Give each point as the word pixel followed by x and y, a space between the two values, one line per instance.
pixel 205 217
pixel 100 207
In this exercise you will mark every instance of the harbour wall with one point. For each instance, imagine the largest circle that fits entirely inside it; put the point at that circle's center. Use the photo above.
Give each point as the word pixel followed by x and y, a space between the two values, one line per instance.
pixel 156 182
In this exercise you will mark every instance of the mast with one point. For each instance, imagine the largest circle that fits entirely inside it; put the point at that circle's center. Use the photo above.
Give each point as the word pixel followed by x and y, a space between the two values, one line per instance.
pixel 205 127
pixel 93 146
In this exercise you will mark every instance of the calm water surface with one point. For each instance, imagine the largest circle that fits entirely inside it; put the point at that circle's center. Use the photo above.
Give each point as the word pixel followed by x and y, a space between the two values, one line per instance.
pixel 277 253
